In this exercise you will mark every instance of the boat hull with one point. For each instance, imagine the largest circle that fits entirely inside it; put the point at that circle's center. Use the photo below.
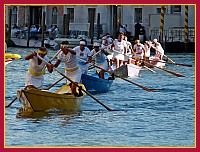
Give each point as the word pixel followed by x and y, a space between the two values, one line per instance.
pixel 95 84
pixel 128 70
pixel 37 100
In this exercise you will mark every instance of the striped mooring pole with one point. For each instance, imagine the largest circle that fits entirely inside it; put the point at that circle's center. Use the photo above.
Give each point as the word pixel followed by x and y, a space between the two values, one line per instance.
pixel 162 12
pixel 186 23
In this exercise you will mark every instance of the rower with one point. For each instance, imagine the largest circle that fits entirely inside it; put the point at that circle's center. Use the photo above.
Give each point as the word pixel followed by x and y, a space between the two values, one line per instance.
pixel 34 77
pixel 100 59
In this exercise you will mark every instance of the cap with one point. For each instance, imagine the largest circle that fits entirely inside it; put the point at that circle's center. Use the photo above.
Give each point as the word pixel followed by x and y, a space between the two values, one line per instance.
pixel 82 43
pixel 96 44
pixel 137 41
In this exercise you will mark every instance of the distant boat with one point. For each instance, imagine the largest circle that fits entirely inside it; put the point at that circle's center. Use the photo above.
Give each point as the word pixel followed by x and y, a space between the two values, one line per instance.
pixel 93 83
pixel 39 100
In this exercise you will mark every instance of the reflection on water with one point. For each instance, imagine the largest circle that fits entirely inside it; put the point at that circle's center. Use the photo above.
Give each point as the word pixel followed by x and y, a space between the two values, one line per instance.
pixel 24 113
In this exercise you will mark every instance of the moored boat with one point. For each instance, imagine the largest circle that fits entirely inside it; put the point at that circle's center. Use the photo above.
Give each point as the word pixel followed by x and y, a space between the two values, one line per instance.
pixel 39 100
pixel 128 70
pixel 93 83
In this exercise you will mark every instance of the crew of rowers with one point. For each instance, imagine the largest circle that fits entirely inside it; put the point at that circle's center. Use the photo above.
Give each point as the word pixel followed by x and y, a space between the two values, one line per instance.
pixel 77 60
pixel 121 50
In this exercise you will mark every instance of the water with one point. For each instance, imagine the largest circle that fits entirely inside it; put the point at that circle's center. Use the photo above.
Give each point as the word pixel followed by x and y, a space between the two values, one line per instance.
pixel 140 118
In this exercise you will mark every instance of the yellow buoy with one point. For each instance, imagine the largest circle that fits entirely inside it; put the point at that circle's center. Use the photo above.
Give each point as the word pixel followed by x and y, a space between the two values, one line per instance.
pixel 12 56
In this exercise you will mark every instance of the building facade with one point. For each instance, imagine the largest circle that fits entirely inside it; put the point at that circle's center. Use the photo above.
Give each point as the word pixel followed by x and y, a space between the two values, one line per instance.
pixel 111 17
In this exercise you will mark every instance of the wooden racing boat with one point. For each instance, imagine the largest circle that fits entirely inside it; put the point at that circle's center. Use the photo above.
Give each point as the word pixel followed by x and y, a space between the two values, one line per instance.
pixel 93 83
pixel 128 70
pixel 39 100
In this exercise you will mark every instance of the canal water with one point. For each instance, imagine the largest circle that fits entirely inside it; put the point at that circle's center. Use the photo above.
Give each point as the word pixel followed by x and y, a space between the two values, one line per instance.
pixel 140 118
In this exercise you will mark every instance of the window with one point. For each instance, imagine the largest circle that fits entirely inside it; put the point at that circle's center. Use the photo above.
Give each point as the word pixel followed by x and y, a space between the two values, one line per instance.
pixel 138 15
pixel 176 9
pixel 70 11
pixel 159 10
pixel 54 15
pixel 91 11
pixel 14 15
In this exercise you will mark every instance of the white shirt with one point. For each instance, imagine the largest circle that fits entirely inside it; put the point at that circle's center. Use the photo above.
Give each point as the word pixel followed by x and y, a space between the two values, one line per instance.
pixel 38 67
pixel 119 46
pixel 69 59
pixel 83 55
pixel 138 50
pixel 100 57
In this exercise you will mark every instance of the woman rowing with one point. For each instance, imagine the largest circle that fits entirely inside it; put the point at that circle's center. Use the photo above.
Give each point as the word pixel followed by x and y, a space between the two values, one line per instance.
pixel 34 77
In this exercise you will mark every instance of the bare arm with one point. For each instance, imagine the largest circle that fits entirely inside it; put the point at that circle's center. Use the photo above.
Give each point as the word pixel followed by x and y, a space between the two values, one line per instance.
pixel 57 63
pixel 30 56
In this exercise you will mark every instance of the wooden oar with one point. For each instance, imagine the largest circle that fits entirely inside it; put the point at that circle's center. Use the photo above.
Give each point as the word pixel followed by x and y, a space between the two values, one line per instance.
pixel 149 69
pixel 188 65
pixel 147 89
pixel 77 85
pixel 174 73
pixel 175 62
pixel 11 103
pixel 53 84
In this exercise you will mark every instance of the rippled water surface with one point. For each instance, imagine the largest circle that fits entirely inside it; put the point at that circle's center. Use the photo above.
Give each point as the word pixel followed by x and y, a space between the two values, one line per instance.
pixel 140 118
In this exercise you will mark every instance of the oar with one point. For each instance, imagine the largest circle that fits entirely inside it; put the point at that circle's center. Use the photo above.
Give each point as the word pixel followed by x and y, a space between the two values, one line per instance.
pixel 77 85
pixel 49 88
pixel 147 89
pixel 174 73
pixel 149 69
pixel 53 84
pixel 11 103
pixel 55 55
pixel 181 64
pixel 172 62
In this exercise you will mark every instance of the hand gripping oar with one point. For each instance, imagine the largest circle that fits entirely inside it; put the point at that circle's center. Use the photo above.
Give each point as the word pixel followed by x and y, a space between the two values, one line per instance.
pixel 48 87
pixel 77 85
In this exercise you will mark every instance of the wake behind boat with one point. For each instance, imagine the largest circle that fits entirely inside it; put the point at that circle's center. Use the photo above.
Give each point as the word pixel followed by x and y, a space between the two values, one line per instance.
pixel 39 100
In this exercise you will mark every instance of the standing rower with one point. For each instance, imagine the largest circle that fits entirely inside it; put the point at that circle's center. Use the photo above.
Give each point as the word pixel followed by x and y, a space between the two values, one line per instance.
pixel 34 77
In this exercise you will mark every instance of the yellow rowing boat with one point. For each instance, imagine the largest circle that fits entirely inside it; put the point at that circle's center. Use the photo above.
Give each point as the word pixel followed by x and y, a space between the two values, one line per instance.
pixel 39 100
